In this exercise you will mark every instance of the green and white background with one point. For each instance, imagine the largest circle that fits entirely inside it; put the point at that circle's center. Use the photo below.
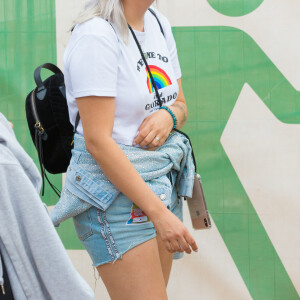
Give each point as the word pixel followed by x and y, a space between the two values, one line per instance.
pixel 240 61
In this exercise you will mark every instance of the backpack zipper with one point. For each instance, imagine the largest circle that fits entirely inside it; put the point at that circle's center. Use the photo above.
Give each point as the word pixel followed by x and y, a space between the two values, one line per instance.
pixel 2 289
pixel 37 124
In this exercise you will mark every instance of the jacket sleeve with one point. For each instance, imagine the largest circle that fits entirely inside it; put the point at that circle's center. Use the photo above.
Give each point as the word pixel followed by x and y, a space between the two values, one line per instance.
pixel 39 258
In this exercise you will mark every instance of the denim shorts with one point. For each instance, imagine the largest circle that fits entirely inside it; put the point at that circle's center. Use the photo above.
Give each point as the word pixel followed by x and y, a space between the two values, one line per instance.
pixel 107 235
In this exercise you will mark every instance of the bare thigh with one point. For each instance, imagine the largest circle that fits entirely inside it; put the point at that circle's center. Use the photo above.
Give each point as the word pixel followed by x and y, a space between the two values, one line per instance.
pixel 138 275
pixel 166 259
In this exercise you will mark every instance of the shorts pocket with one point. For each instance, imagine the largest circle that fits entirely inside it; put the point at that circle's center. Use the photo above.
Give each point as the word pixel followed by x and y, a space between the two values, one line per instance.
pixel 83 225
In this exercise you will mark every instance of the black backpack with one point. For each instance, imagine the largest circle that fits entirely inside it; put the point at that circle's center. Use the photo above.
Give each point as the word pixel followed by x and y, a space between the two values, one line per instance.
pixel 48 121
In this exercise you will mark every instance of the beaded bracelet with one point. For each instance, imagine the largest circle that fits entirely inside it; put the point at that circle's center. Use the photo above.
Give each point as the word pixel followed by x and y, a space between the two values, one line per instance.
pixel 172 115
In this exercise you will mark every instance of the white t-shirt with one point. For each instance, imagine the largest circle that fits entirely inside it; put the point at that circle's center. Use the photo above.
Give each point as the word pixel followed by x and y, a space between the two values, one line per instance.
pixel 98 63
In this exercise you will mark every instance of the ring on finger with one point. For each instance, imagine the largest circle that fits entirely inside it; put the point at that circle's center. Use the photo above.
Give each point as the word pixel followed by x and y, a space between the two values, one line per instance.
pixel 180 246
pixel 157 138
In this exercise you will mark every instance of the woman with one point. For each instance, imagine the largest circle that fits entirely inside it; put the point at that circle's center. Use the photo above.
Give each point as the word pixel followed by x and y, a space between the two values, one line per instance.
pixel 107 81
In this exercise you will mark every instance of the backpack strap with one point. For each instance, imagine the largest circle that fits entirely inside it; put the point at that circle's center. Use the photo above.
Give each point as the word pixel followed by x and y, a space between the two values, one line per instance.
pixel 154 14
pixel 41 90
pixel 76 122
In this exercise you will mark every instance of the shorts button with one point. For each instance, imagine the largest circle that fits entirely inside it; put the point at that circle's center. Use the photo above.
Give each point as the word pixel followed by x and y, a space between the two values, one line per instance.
pixel 163 196
pixel 78 177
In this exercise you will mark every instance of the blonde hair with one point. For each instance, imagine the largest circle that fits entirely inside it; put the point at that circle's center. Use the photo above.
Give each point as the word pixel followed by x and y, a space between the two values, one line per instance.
pixel 111 10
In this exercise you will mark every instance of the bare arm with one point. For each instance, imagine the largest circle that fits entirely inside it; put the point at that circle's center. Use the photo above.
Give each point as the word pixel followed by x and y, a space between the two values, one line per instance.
pixel 97 116
pixel 179 107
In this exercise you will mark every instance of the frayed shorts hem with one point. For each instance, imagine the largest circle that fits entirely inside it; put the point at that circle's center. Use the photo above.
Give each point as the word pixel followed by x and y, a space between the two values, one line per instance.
pixel 176 255
pixel 134 244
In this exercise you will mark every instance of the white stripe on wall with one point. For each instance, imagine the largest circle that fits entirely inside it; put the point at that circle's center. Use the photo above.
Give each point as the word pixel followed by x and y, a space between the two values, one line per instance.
pixel 265 154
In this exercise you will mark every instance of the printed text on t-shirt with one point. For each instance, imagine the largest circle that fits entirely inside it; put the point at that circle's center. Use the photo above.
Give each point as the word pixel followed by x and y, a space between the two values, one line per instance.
pixel 140 63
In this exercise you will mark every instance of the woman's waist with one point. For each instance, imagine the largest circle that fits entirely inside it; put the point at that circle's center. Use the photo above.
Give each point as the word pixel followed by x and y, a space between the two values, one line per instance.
pixel 79 143
pixel 155 162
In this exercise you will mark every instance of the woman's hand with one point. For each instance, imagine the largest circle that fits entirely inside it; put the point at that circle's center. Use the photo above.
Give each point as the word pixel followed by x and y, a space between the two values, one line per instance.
pixel 155 129
pixel 173 233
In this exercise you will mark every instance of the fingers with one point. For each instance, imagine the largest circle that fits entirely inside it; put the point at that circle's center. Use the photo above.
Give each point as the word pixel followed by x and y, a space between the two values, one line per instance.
pixel 184 245
pixel 181 243
pixel 145 135
pixel 140 136
pixel 169 247
pixel 150 138
pixel 191 242
pixel 175 246
pixel 157 124
pixel 145 128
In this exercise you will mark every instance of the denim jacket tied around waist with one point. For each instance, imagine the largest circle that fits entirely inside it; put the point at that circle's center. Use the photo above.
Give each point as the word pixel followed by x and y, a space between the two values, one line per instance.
pixel 169 166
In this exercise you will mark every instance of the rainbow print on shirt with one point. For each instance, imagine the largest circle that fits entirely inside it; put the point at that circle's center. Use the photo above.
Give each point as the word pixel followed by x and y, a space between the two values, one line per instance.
pixel 160 77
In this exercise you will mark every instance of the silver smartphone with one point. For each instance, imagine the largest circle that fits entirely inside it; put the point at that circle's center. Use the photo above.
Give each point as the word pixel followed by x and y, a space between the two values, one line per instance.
pixel 197 206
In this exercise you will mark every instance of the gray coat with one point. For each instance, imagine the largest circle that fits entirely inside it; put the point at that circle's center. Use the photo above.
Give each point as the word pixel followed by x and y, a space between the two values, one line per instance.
pixel 37 263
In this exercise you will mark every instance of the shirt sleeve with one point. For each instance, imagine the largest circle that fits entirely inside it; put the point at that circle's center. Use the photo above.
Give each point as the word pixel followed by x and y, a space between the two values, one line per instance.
pixel 93 66
pixel 171 45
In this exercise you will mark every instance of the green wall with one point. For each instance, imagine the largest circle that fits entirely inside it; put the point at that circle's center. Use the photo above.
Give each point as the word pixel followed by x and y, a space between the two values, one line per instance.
pixel 216 62
pixel 27 39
